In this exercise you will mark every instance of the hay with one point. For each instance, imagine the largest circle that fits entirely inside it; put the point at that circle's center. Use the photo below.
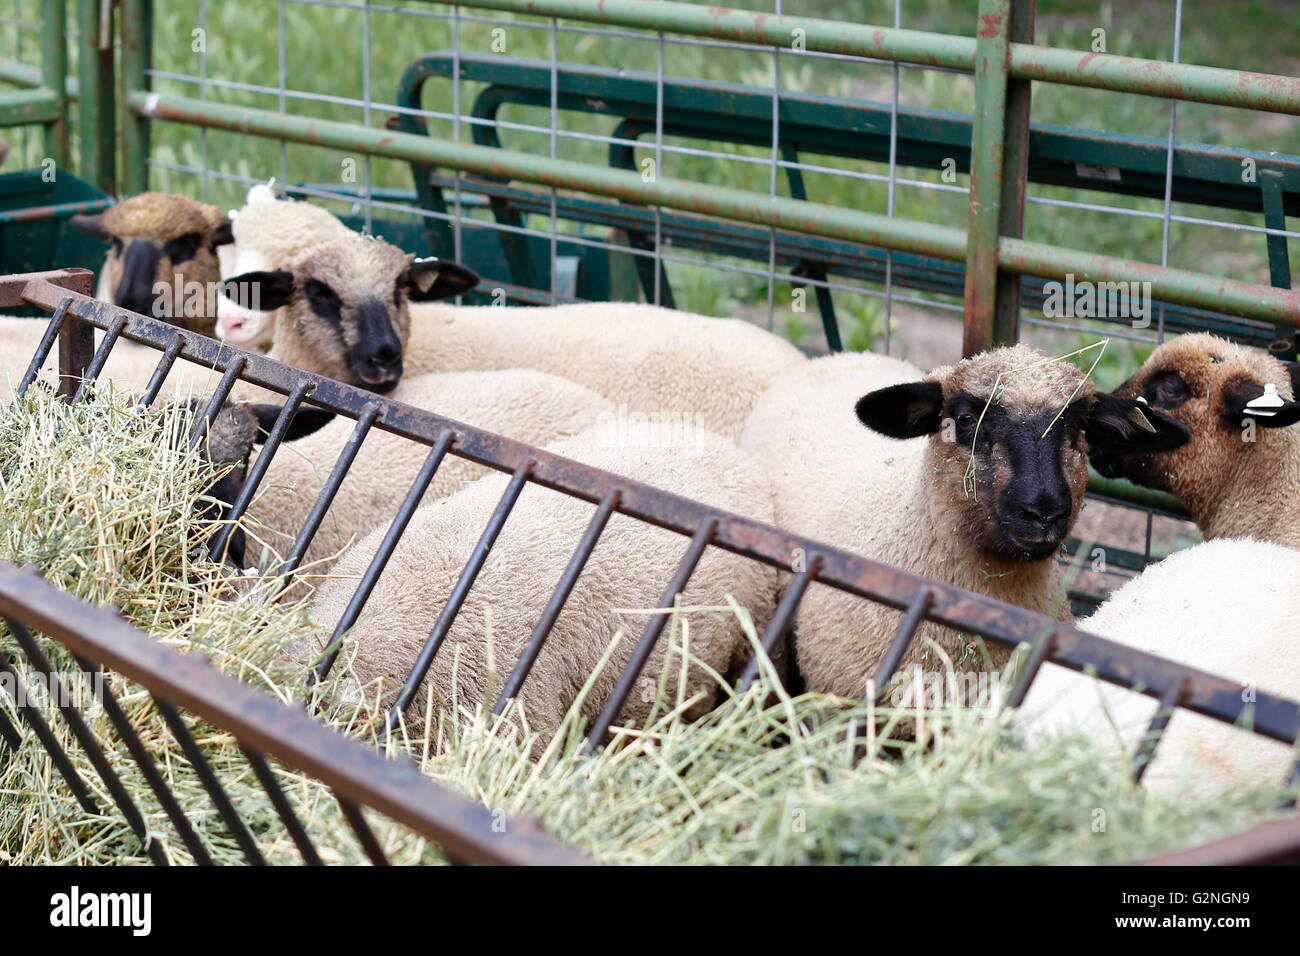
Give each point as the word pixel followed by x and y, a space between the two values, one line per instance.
pixel 103 506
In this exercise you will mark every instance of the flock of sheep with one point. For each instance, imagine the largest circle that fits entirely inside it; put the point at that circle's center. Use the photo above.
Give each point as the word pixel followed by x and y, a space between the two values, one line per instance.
pixel 972 474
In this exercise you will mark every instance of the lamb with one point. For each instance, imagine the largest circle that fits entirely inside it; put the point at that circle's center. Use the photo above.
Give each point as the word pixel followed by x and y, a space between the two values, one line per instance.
pixel 984 504
pixel 1240 473
pixel 268 233
pixel 529 406
pixel 1228 607
pixel 163 260
pixel 524 568
pixel 690 370
pixel 347 318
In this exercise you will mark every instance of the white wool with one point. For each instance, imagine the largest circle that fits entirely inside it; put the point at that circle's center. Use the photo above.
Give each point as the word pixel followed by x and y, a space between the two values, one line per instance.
pixel 1228 607
pixel 628 570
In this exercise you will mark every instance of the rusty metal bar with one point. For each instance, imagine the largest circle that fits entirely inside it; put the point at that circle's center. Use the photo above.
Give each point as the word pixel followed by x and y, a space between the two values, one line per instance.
pixel 641 653
pixel 161 371
pixel 1276 843
pixel 97 361
pixel 43 350
pixel 216 792
pixel 9 733
pixel 551 613
pixel 1146 751
pixel 46 736
pixel 386 547
pixel 782 618
pixel 362 829
pixel 447 617
pixel 393 787
pixel 259 468
pixel 332 484
pixel 1039 653
pixel 89 743
pixel 967 611
pixel 917 610
pixel 219 396
pixel 266 777
pixel 76 352
pixel 144 760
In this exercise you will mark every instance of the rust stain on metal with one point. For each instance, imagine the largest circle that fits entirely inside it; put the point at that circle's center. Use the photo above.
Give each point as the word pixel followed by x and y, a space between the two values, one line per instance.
pixel 991 25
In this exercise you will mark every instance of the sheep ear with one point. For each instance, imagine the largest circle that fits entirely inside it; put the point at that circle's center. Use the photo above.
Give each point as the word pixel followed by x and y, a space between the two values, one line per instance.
pixel 262 291
pixel 221 234
pixel 1293 370
pixel 307 421
pixel 94 225
pixel 1129 426
pixel 1246 399
pixel 430 279
pixel 909 410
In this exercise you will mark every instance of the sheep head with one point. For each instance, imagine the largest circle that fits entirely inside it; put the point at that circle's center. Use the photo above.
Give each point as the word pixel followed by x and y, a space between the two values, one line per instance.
pixel 1216 390
pixel 1009 436
pixel 162 259
pixel 346 305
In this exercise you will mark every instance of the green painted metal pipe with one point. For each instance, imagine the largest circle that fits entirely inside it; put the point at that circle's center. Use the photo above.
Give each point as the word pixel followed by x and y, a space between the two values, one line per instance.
pixel 1117 489
pixel 54 76
pixel 24 107
pixel 1175 286
pixel 1178 286
pixel 723 202
pixel 97 117
pixel 1202 84
pixel 137 34
pixel 985 208
pixel 29 77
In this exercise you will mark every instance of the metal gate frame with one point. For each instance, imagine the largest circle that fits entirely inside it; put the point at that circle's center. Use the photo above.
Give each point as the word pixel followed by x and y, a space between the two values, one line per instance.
pixel 76 316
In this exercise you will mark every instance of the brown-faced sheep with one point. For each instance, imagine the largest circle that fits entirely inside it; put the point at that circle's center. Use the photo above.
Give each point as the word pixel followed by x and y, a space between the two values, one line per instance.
pixel 163 260
pixel 1239 475
pixel 984 503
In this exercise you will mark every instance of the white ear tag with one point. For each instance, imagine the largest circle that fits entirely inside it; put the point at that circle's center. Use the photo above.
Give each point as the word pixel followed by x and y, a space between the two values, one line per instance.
pixel 1267 404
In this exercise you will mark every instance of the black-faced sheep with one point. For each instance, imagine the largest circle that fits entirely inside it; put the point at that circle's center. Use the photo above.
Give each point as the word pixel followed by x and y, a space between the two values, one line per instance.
pixel 984 503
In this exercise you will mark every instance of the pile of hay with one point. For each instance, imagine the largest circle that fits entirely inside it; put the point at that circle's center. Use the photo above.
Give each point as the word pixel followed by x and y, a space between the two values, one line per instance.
pixel 102 505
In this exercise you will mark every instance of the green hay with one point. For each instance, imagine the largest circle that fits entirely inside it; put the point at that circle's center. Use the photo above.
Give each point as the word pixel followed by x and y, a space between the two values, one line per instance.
pixel 103 506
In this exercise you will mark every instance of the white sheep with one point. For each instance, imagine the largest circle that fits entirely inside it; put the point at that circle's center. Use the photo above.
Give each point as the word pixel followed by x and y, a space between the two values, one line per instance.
pixel 627 573
pixel 984 504
pixel 691 370
pixel 1228 607
pixel 268 233
pixel 518 403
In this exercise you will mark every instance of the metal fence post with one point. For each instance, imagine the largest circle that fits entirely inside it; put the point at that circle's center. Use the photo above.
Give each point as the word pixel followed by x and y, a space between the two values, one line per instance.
pixel 137 35
pixel 54 77
pixel 999 154
pixel 96 114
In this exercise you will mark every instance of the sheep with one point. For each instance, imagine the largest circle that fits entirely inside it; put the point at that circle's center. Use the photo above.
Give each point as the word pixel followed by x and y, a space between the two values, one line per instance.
pixel 697 371
pixel 162 261
pixel 628 569
pixel 1228 607
pixel 1240 474
pixel 267 234
pixel 522 404
pixel 347 318
pixel 912 504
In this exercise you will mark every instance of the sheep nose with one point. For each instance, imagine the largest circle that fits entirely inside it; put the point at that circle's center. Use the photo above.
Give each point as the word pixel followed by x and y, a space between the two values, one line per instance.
pixel 384 357
pixel 1047 513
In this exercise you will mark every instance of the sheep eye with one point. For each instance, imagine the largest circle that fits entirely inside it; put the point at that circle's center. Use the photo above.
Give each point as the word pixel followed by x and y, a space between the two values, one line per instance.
pixel 965 420
pixel 321 297
pixel 1167 389
pixel 183 248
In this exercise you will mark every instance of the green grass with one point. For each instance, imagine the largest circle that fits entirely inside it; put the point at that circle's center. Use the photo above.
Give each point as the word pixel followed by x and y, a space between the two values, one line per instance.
pixel 104 508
